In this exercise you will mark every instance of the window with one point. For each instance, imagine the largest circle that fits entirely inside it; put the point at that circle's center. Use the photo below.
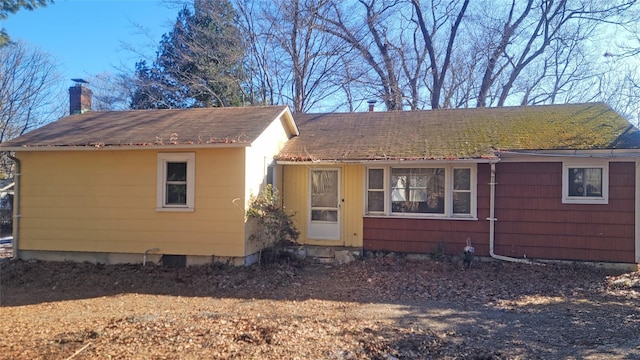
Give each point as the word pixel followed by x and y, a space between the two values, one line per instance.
pixel 269 171
pixel 176 181
pixel 416 190
pixel 586 183
pixel 324 195
pixel 375 190
pixel 444 191
pixel 462 191
pixel 270 176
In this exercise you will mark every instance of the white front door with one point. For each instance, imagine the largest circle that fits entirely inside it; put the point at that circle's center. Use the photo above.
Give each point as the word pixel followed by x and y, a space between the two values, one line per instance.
pixel 325 204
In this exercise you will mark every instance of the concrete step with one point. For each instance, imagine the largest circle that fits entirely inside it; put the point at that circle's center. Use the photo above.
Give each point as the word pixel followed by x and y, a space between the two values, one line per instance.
pixel 327 254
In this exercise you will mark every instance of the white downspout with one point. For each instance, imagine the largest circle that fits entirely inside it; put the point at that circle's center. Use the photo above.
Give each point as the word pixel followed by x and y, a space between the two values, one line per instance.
pixel 16 205
pixel 637 215
pixel 492 219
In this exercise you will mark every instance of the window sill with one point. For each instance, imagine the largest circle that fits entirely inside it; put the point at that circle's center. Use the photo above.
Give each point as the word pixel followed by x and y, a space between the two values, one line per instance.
pixel 422 217
pixel 175 209
pixel 586 201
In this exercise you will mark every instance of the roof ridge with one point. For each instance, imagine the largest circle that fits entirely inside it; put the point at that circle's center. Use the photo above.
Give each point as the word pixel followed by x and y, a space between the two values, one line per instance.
pixel 488 108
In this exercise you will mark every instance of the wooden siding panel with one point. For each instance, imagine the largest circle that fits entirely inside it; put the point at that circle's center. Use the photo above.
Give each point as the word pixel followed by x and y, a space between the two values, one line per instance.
pixel 353 179
pixel 533 222
pixel 411 235
pixel 294 191
pixel 97 201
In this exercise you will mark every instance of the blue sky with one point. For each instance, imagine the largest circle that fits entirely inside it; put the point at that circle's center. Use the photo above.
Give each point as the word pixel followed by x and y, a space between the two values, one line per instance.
pixel 86 36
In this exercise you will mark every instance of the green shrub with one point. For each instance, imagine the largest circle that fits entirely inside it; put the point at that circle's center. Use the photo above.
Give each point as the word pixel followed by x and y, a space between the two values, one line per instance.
pixel 275 228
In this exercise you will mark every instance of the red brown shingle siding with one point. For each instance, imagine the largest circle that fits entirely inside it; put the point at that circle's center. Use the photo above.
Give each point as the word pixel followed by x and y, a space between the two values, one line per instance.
pixel 428 235
pixel 532 220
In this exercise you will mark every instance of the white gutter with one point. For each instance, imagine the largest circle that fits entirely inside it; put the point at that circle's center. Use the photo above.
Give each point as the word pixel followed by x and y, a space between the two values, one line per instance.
pixel 16 206
pixel 637 215
pixel 492 219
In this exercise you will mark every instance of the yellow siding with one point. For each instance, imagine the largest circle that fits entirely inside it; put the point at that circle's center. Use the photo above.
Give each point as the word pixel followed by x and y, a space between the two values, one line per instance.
pixel 105 201
pixel 258 157
pixel 294 186
pixel 353 206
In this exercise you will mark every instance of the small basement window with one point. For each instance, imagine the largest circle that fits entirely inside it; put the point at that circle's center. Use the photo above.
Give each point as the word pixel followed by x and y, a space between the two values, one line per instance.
pixel 176 182
pixel 585 183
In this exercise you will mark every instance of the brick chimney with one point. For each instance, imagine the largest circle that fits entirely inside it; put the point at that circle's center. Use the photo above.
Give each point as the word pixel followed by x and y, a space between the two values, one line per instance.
pixel 372 104
pixel 79 97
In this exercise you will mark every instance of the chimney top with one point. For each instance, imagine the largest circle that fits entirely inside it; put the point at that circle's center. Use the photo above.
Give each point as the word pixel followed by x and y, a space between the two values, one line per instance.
pixel 372 104
pixel 79 97
pixel 80 81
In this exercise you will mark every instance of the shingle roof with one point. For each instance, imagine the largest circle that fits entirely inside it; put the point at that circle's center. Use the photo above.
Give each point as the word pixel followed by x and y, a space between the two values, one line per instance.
pixel 153 127
pixel 457 134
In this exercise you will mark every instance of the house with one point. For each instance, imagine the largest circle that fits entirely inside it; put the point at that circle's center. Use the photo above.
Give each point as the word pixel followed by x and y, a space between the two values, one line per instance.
pixel 118 187
pixel 554 182
pixel 557 182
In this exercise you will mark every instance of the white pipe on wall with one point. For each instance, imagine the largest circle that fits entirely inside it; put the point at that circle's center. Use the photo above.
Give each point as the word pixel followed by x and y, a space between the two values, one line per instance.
pixel 16 205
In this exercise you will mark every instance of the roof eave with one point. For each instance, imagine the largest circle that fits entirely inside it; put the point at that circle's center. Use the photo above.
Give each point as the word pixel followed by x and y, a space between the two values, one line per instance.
pixel 119 147
pixel 289 123
pixel 481 160
pixel 588 153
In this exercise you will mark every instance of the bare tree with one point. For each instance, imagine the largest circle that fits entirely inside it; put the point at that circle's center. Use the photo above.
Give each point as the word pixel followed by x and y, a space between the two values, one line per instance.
pixel 452 15
pixel 561 77
pixel 367 27
pixel 528 31
pixel 30 91
pixel 415 54
pixel 294 62
pixel 111 92
pixel 29 86
pixel 261 85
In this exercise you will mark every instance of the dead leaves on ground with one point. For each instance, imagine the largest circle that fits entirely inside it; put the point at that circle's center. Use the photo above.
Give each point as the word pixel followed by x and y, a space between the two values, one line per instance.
pixel 310 310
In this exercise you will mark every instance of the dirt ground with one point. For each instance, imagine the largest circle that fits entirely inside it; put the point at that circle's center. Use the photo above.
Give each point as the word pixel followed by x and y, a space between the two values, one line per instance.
pixel 381 307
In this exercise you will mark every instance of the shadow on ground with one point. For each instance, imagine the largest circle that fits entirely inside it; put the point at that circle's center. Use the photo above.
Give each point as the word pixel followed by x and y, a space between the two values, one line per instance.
pixel 429 308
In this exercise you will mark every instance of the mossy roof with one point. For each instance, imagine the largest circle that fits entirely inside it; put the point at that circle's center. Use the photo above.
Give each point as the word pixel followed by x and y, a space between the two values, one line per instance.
pixel 458 134
pixel 203 126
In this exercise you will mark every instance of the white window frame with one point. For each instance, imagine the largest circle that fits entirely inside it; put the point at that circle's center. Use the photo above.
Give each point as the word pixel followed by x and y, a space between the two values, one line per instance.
pixel 383 190
pixel 596 164
pixel 320 229
pixel 472 187
pixel 163 159
pixel 448 206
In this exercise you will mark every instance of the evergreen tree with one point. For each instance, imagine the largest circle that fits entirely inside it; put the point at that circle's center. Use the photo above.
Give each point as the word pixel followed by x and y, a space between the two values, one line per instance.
pixel 152 91
pixel 11 7
pixel 199 63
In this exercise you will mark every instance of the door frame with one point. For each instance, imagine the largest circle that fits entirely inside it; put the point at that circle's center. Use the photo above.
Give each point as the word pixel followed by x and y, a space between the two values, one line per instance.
pixel 325 230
